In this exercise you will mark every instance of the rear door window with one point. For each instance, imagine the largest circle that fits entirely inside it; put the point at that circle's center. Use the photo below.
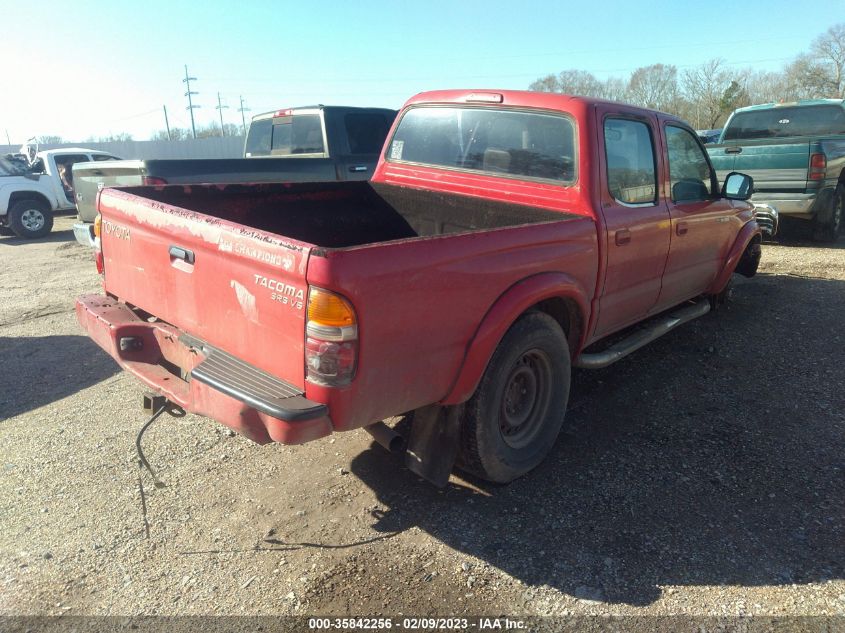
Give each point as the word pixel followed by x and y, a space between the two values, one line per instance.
pixel 629 152
pixel 366 131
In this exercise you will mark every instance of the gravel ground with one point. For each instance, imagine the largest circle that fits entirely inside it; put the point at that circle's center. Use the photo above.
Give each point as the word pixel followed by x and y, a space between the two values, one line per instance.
pixel 703 475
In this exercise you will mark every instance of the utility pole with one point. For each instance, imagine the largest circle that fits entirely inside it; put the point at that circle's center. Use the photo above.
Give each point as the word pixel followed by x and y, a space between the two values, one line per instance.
pixel 220 108
pixel 167 123
pixel 187 81
pixel 242 109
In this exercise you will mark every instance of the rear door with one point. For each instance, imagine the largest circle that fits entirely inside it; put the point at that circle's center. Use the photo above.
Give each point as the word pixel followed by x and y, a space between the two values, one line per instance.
pixel 636 221
pixel 359 138
pixel 238 289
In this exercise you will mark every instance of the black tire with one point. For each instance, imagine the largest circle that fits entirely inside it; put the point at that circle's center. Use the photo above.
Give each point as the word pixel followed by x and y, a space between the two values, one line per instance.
pixel 828 227
pixel 514 417
pixel 5 230
pixel 30 219
pixel 721 298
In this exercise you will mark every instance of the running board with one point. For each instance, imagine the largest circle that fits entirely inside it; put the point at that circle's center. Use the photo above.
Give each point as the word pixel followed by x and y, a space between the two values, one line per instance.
pixel 643 336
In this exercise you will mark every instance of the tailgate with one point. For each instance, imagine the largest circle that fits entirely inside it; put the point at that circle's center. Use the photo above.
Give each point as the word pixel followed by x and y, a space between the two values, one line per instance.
pixel 89 178
pixel 776 167
pixel 239 289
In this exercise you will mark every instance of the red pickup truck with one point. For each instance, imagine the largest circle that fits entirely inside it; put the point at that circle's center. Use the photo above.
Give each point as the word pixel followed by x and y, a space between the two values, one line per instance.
pixel 503 238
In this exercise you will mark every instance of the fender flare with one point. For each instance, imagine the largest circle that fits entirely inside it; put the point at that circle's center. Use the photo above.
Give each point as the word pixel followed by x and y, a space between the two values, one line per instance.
pixel 503 313
pixel 746 235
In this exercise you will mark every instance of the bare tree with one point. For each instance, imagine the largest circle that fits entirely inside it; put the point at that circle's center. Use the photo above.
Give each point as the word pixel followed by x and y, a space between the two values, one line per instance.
pixel 120 136
pixel 581 83
pixel 655 87
pixel 549 83
pixel 704 87
pixel 571 82
pixel 50 139
pixel 765 87
pixel 829 51
pixel 615 89
pixel 807 78
pixel 176 134
pixel 203 131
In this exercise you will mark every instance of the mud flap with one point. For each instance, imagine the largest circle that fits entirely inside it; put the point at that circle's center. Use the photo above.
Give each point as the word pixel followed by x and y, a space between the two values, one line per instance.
pixel 434 442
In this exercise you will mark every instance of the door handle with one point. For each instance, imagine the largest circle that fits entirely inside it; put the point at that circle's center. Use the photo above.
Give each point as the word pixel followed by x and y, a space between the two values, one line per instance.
pixel 177 252
pixel 733 150
pixel 357 168
pixel 623 236
pixel 681 228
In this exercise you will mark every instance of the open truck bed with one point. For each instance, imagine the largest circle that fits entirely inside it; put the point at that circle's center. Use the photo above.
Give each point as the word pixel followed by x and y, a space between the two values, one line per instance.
pixel 227 270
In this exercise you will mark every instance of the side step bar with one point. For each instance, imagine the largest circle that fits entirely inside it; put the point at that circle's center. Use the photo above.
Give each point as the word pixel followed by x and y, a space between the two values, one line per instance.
pixel 642 337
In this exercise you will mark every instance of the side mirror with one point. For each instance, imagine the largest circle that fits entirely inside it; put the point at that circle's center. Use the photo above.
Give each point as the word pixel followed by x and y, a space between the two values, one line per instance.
pixel 738 186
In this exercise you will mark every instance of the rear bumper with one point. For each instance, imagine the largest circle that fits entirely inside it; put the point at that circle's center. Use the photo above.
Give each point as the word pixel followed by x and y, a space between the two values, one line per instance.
pixel 202 379
pixel 84 234
pixel 795 204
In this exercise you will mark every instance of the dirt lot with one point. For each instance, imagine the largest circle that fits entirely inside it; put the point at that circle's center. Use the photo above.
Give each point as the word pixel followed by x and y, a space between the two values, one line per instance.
pixel 703 475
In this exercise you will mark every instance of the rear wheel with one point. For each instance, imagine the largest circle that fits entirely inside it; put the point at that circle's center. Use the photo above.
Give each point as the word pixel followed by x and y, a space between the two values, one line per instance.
pixel 829 226
pixel 515 415
pixel 30 219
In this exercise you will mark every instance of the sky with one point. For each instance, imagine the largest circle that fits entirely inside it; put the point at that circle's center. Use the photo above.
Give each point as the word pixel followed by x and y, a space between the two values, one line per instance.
pixel 88 68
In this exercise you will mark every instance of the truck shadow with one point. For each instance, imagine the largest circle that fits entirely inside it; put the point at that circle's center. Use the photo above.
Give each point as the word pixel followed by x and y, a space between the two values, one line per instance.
pixel 716 456
pixel 42 369
pixel 797 233
pixel 54 236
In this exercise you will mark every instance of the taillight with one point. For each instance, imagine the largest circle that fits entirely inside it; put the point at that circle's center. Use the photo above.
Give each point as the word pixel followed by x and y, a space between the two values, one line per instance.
pixel 98 248
pixel 153 180
pixel 331 341
pixel 818 165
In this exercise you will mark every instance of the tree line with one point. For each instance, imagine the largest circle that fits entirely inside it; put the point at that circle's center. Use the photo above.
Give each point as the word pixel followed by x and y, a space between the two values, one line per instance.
pixel 706 95
pixel 175 134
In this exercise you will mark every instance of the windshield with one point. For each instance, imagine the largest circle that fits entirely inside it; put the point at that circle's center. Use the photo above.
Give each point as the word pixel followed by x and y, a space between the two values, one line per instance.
pixel 492 141
pixel 787 121
pixel 285 136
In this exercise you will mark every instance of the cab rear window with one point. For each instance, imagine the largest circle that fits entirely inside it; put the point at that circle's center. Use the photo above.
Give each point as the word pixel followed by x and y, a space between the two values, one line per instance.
pixel 285 135
pixel 487 140
pixel 784 122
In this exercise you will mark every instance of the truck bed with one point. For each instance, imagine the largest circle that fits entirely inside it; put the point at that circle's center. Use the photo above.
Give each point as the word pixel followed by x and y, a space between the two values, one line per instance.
pixel 346 214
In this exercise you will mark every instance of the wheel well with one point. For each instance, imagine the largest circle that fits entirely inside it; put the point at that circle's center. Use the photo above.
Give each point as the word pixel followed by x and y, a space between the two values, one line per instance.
pixel 566 313
pixel 17 196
